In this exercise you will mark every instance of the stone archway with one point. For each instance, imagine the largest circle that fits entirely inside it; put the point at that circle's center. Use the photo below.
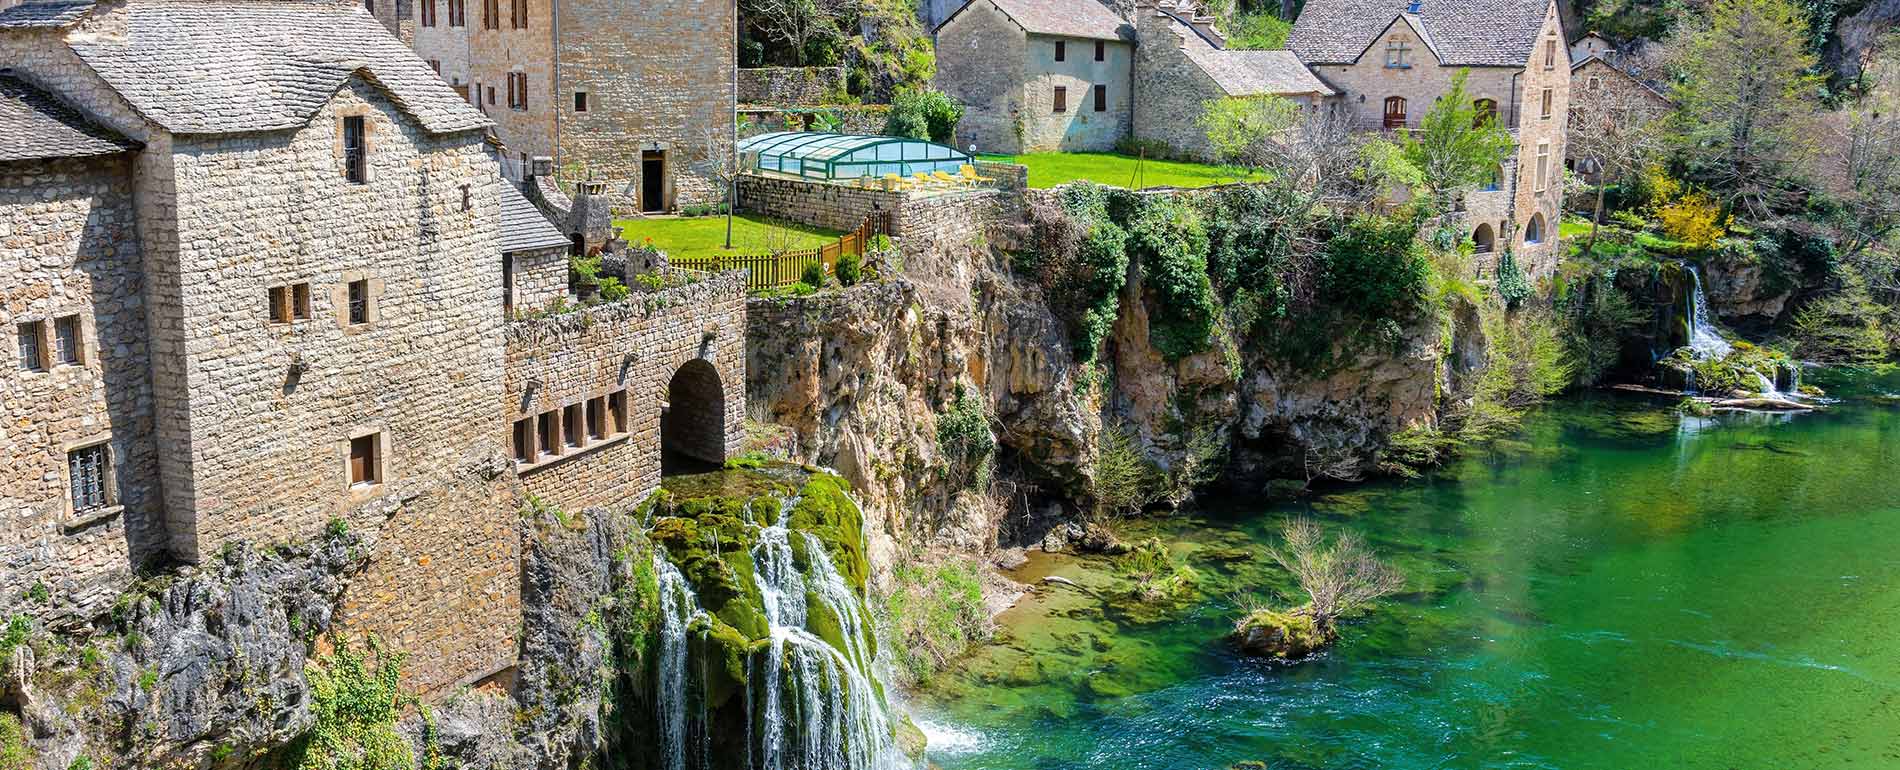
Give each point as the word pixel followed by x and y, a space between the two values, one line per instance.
pixel 693 426
pixel 1484 238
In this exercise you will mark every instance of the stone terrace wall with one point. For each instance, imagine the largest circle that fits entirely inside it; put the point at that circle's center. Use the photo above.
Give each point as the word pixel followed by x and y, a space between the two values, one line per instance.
pixel 634 346
pixel 69 246
pixel 852 118
pixel 836 206
pixel 790 86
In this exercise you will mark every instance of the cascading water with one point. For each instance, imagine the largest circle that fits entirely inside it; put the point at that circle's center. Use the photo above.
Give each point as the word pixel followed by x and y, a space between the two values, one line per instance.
pixel 678 608
pixel 842 717
pixel 1703 339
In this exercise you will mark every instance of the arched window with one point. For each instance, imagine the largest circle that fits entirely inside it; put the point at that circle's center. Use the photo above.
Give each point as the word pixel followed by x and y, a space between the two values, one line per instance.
pixel 1487 110
pixel 1395 112
pixel 1534 232
pixel 1484 238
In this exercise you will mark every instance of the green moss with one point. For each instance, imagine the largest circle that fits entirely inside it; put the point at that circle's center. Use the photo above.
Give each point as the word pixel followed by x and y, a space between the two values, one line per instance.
pixel 825 509
pixel 15 752
pixel 710 542
pixel 1290 635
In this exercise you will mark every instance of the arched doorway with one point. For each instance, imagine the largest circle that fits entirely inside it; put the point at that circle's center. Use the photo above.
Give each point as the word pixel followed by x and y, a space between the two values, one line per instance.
pixel 1484 238
pixel 1394 112
pixel 693 423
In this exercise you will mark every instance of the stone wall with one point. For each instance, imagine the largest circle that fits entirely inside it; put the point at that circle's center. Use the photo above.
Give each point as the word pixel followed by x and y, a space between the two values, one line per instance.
pixel 920 219
pixel 790 86
pixel 526 129
pixel 852 119
pixel 1541 143
pixel 1078 127
pixel 660 78
pixel 540 278
pixel 69 248
pixel 632 347
pixel 834 206
pixel 1171 91
pixel 981 57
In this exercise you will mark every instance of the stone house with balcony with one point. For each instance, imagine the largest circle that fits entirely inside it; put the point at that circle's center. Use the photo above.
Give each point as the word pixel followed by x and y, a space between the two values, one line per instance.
pixel 260 263
pixel 637 95
pixel 1075 76
pixel 1390 60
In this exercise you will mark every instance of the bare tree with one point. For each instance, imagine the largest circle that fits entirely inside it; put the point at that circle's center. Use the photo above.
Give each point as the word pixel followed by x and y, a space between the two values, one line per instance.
pixel 1865 175
pixel 798 22
pixel 1338 575
pixel 1615 131
pixel 719 161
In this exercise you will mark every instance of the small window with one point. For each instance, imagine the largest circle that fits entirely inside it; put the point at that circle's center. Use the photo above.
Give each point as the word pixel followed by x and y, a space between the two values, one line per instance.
pixel 428 16
pixel 1062 99
pixel 1101 50
pixel 1487 111
pixel 89 469
pixel 359 302
pixel 365 465
pixel 491 14
pixel 1398 54
pixel 280 304
pixel 1543 166
pixel 1101 98
pixel 436 65
pixel 1496 181
pixel 596 419
pixel 68 345
pixel 491 96
pixel 571 425
pixel 1534 232
pixel 617 408
pixel 511 90
pixel 1596 83
pixel 355 149
pixel 520 80
pixel 1062 50
pixel 1550 54
pixel 299 301
pixel 458 13
pixel 1548 102
pixel 548 432
pixel 33 346
pixel 580 101
pixel 524 440
pixel 518 14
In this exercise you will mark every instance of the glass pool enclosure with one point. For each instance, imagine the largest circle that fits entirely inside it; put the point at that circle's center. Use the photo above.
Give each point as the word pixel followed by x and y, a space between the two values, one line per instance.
pixel 828 157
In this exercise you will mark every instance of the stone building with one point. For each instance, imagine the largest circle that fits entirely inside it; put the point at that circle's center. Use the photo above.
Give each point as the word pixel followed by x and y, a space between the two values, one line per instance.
pixel 1037 75
pixel 1391 59
pixel 1606 80
pixel 1182 62
pixel 639 95
pixel 261 268
pixel 1073 75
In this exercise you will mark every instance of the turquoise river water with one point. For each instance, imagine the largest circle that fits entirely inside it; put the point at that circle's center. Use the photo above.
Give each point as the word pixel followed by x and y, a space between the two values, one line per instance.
pixel 1620 587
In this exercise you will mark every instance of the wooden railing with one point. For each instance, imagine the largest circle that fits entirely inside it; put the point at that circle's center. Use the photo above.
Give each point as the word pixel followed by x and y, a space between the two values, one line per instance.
pixel 771 271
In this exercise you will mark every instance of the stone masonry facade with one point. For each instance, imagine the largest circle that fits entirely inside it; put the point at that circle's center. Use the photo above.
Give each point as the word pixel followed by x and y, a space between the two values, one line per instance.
pixel 611 92
pixel 260 315
pixel 1009 77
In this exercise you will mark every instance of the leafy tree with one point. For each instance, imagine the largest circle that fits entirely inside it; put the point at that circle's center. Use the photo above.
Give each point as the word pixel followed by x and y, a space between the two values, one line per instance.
pixel 1171 243
pixel 1746 97
pixel 1864 175
pixel 924 113
pixel 1455 147
pixel 1236 127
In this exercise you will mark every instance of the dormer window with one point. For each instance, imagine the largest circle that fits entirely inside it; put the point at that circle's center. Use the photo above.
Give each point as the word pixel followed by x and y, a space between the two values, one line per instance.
pixel 1398 54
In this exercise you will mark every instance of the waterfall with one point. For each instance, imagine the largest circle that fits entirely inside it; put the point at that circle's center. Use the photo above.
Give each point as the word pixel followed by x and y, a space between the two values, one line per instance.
pixel 678 608
pixel 1703 338
pixel 841 716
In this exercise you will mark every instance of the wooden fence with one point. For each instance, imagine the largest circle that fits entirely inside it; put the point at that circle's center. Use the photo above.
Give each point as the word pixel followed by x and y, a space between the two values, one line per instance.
pixel 771 271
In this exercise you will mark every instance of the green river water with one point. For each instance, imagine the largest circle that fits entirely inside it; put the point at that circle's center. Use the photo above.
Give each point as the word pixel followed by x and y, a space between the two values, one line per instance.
pixel 1620 588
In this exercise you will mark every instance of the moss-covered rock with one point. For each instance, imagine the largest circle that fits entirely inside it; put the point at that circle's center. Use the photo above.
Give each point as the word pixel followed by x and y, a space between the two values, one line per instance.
pixel 825 509
pixel 1288 636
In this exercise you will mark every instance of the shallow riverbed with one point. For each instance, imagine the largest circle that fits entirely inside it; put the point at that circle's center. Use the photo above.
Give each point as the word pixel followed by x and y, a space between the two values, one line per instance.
pixel 1619 588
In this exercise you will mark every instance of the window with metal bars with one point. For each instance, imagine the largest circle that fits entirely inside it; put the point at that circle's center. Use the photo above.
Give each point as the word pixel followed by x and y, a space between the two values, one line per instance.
pixel 356 149
pixel 88 468
pixel 359 302
pixel 33 346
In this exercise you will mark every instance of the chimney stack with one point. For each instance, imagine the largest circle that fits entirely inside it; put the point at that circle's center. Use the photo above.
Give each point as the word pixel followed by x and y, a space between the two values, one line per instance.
pixel 591 218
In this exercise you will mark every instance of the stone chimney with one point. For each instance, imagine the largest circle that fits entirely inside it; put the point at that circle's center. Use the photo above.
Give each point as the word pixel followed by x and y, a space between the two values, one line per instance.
pixel 591 218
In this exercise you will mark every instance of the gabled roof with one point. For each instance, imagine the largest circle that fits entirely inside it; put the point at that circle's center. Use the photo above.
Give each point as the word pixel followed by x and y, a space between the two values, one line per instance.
pixel 523 227
pixel 1062 18
pixel 1621 71
pixel 44 14
pixel 234 66
pixel 1463 33
pixel 35 125
pixel 1246 73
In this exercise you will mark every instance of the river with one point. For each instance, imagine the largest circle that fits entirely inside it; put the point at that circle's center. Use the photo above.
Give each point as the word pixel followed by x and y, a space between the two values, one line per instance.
pixel 1618 587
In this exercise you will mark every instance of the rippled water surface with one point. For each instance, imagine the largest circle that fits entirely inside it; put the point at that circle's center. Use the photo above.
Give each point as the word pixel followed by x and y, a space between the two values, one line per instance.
pixel 1621 588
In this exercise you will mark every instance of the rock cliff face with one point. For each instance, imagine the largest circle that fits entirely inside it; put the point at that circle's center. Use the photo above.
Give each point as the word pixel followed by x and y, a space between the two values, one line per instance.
pixel 862 377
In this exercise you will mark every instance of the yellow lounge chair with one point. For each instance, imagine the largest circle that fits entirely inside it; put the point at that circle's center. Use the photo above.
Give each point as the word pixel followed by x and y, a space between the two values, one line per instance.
pixel 968 172
pixel 946 178
pixel 923 179
pixel 895 182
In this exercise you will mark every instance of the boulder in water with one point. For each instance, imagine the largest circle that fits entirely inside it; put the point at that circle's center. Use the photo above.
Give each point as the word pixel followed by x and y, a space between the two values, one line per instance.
pixel 1288 636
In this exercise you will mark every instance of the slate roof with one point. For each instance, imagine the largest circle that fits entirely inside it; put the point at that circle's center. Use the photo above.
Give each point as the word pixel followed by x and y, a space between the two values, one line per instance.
pixel 1464 33
pixel 1248 73
pixel 44 14
pixel 234 66
pixel 1064 18
pixel 523 227
pixel 34 125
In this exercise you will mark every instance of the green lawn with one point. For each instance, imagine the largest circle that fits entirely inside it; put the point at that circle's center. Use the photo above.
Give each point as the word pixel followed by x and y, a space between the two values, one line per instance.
pixel 1048 169
pixel 1573 227
pixel 689 237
